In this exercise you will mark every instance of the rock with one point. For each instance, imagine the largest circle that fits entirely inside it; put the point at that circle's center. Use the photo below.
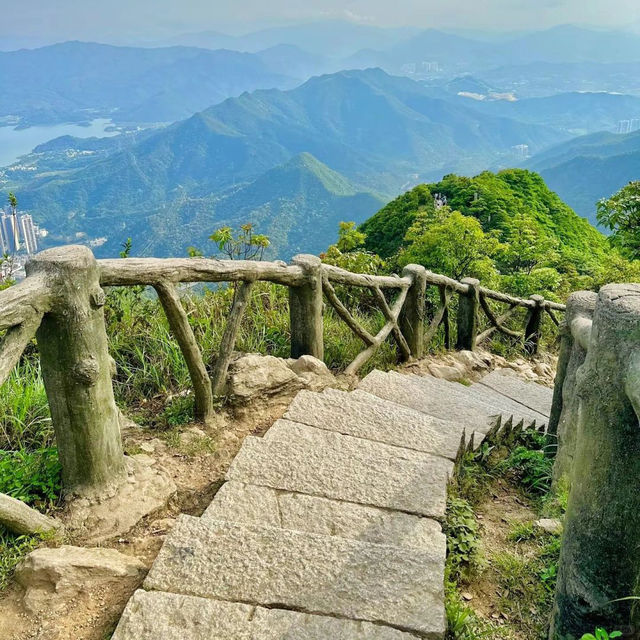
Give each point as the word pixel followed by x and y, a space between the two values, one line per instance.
pixel 550 525
pixel 153 615
pixel 144 459
pixel 51 576
pixel 445 372
pixel 543 369
pixel 18 517
pixel 470 360
pixel 252 376
pixel 147 447
pixel 313 372
pixel 191 436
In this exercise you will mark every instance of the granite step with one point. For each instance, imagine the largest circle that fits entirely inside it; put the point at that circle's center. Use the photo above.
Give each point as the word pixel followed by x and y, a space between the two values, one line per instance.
pixel 372 418
pixel 530 394
pixel 303 459
pixel 251 504
pixel 310 573
pixel 153 615
pixel 423 394
pixel 507 406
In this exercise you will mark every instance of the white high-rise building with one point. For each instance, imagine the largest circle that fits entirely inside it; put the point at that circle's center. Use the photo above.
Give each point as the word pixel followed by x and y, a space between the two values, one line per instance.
pixel 29 233
pixel 10 233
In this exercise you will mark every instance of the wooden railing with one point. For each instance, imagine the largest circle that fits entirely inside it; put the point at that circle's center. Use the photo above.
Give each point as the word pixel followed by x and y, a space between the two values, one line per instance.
pixel 61 303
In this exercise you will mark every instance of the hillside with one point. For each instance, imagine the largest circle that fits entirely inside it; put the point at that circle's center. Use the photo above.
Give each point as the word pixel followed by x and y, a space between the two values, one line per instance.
pixel 518 207
pixel 589 168
pixel 377 130
pixel 74 81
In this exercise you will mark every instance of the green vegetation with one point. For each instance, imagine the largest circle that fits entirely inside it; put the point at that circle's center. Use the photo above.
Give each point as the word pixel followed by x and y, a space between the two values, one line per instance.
pixel 621 214
pixel 507 229
pixel 521 570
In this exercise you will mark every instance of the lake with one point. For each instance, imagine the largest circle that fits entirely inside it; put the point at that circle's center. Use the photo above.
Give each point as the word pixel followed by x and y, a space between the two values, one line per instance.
pixel 17 142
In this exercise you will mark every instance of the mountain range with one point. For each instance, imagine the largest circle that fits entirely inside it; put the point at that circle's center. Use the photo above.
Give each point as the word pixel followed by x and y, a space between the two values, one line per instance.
pixel 588 168
pixel 380 132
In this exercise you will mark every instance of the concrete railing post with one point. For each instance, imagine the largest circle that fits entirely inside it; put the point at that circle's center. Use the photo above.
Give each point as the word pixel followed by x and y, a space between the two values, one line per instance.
pixel 468 315
pixel 534 324
pixel 599 560
pixel 564 410
pixel 412 316
pixel 305 310
pixel 72 342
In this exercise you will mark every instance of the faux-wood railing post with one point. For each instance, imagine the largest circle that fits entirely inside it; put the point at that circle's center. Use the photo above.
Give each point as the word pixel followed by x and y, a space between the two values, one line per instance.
pixel 72 342
pixel 305 310
pixel 534 323
pixel 468 315
pixel 412 316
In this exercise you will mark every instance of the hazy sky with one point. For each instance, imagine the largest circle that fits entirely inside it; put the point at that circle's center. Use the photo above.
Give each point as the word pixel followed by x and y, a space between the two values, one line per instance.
pixel 84 19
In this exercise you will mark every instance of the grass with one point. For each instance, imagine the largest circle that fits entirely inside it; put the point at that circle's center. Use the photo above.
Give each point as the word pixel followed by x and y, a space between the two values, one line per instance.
pixel 13 549
pixel 521 574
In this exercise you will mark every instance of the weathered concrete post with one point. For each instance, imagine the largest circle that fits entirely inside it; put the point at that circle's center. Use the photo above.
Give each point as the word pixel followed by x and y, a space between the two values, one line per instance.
pixel 305 310
pixel 599 560
pixel 575 332
pixel 534 324
pixel 412 316
pixel 72 342
pixel 468 315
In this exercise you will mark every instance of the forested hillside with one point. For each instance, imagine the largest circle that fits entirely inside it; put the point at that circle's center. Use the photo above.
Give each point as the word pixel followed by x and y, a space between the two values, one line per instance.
pixel 508 229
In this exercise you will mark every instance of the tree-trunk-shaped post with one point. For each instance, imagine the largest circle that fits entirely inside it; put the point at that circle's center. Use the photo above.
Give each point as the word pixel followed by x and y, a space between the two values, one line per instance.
pixel 305 310
pixel 183 333
pixel 599 560
pixel 534 324
pixel 575 332
pixel 468 315
pixel 412 316
pixel 77 373
pixel 228 342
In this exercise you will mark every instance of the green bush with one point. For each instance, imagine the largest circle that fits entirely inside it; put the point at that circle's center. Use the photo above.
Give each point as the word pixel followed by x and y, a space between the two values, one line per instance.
pixel 33 477
pixel 461 530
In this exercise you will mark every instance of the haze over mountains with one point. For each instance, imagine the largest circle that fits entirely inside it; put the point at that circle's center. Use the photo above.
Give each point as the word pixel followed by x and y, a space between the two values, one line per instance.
pixel 277 132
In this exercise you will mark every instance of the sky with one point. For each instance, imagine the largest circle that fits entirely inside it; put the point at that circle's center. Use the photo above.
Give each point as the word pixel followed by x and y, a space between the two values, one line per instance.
pixel 148 19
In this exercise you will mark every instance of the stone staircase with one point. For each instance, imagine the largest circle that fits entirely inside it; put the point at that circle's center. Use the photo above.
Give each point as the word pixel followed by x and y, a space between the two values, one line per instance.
pixel 328 527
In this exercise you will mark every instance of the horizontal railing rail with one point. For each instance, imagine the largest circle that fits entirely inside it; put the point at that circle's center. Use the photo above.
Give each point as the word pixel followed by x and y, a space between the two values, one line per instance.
pixel 60 302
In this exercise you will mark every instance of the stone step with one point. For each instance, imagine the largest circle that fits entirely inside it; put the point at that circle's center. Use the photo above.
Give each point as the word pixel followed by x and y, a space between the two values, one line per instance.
pixel 324 575
pixel 507 406
pixel 423 394
pixel 304 459
pixel 154 615
pixel 367 416
pixel 251 504
pixel 535 396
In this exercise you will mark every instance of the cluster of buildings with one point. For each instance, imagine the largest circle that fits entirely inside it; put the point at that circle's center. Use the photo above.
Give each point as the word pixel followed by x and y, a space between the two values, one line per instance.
pixel 18 234
pixel 629 126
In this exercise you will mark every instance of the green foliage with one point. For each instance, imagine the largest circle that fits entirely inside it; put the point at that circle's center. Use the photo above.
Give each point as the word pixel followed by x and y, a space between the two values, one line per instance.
pixel 451 244
pixel 13 549
pixel 506 228
pixel 621 214
pixel 532 468
pixel 240 244
pixel 461 529
pixel 33 477
pixel 462 622
pixel 601 634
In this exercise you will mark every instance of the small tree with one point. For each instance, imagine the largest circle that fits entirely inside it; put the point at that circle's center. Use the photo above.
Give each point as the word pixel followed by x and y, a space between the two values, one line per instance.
pixel 621 214
pixel 242 244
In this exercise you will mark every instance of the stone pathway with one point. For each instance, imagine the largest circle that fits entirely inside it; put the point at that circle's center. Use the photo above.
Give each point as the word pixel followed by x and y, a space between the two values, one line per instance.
pixel 328 527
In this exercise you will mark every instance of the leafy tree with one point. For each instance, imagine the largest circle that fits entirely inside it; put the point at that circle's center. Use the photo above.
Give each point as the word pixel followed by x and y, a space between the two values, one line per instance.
pixel 242 244
pixel 450 243
pixel 349 253
pixel 621 214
